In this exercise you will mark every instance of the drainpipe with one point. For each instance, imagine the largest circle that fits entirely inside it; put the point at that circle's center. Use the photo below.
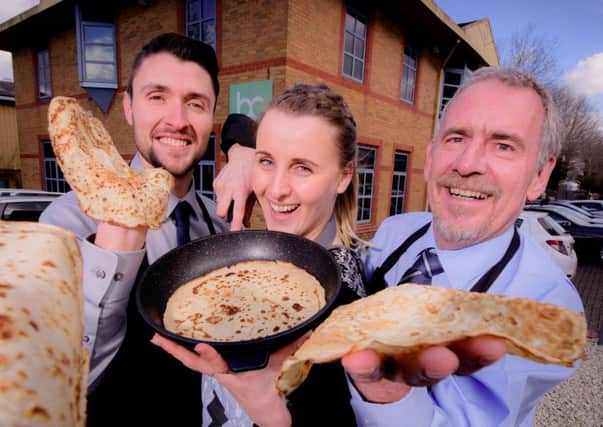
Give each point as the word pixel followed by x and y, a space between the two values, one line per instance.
pixel 439 96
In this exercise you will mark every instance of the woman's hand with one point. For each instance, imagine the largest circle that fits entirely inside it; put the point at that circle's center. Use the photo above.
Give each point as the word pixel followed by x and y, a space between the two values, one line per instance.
pixel 233 185
pixel 254 390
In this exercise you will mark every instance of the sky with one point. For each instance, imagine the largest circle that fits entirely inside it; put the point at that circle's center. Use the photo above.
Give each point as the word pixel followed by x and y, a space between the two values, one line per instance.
pixel 576 27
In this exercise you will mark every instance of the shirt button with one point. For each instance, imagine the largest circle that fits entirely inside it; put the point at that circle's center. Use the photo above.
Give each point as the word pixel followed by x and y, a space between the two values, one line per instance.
pixel 100 273
pixel 86 338
pixel 118 276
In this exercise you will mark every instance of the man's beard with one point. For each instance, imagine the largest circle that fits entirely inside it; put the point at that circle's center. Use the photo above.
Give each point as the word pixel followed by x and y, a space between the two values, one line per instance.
pixel 452 228
pixel 452 232
pixel 156 163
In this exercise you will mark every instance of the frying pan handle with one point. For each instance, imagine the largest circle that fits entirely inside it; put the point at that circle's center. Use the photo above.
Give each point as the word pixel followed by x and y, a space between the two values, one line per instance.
pixel 240 361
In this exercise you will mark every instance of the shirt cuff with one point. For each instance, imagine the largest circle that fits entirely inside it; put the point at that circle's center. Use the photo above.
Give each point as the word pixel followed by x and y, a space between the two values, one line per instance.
pixel 415 409
pixel 102 267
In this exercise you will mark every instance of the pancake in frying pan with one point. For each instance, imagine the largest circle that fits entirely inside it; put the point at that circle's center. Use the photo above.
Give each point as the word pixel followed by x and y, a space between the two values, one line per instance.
pixel 248 300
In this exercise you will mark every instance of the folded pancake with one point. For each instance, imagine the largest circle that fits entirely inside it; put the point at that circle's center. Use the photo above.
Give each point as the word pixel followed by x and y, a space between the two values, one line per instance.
pixel 43 364
pixel 244 301
pixel 107 188
pixel 405 319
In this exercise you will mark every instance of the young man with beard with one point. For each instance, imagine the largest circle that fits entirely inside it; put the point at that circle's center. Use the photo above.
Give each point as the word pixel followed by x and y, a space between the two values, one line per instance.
pixel 495 148
pixel 170 103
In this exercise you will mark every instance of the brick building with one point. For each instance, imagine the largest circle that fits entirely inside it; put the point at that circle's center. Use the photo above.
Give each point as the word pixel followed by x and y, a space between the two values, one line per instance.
pixel 395 62
pixel 10 170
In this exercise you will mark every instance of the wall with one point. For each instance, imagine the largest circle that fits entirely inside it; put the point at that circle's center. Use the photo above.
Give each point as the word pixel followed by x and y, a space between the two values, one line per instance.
pixel 284 41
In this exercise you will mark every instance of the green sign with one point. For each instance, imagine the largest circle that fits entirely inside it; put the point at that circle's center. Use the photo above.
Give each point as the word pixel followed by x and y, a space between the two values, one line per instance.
pixel 250 99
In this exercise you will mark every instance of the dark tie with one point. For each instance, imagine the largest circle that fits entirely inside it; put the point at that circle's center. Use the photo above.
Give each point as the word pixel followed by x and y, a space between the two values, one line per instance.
pixel 181 215
pixel 425 267
pixel 216 412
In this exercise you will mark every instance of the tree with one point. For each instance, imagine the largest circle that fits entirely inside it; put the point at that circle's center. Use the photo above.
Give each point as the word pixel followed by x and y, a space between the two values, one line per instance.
pixel 583 139
pixel 559 174
pixel 532 53
pixel 582 143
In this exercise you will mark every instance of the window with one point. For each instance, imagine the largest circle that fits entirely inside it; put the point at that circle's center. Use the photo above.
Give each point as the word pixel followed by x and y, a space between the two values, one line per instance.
pixel 354 45
pixel 409 74
pixel 398 183
pixel 366 178
pixel 53 176
pixel 97 52
pixel 201 20
pixel 43 66
pixel 205 171
pixel 453 78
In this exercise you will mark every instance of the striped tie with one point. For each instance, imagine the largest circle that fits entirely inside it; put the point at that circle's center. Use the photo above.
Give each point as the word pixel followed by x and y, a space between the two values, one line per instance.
pixel 425 267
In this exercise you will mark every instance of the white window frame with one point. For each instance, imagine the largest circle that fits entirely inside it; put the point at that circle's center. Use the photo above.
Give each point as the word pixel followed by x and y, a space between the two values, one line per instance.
pixel 358 38
pixel 444 99
pixel 81 26
pixel 202 20
pixel 410 64
pixel 398 193
pixel 43 71
pixel 207 163
pixel 53 175
pixel 366 183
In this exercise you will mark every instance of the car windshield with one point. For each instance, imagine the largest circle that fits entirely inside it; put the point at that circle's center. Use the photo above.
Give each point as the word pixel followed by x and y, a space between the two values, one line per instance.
pixel 551 226
pixel 24 211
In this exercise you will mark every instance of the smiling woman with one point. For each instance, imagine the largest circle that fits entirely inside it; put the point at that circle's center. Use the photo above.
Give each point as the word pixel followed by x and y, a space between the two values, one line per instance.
pixel 304 179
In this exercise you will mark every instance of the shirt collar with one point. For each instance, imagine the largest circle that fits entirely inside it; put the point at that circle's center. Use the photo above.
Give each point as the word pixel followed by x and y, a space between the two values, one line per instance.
pixel 328 234
pixel 462 274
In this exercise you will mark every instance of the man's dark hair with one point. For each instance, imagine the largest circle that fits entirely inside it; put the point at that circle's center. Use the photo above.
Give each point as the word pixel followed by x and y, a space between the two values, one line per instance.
pixel 182 47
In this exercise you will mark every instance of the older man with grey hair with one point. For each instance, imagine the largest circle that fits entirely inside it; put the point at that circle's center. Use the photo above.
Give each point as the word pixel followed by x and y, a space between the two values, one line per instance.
pixel 495 148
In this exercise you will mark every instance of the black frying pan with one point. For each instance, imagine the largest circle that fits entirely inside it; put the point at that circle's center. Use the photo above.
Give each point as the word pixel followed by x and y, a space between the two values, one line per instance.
pixel 206 254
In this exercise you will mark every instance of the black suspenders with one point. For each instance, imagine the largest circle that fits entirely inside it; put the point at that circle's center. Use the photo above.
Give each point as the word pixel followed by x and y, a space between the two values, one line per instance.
pixel 377 281
pixel 484 283
pixel 206 217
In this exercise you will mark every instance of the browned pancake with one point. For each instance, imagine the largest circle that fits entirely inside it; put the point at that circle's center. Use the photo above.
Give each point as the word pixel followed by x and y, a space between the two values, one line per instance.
pixel 247 300
pixel 404 319
pixel 107 188
pixel 43 364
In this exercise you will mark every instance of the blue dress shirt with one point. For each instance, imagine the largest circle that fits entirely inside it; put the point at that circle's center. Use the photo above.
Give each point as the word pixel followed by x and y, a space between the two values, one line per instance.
pixel 109 276
pixel 503 394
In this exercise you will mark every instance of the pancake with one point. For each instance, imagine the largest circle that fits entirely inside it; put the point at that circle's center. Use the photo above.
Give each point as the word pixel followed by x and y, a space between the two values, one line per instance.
pixel 405 319
pixel 43 364
pixel 248 300
pixel 107 188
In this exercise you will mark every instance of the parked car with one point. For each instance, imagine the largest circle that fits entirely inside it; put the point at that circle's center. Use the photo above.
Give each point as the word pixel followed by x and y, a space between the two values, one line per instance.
pixel 558 243
pixel 24 205
pixel 594 206
pixel 588 236
pixel 591 215
pixel 5 192
pixel 563 205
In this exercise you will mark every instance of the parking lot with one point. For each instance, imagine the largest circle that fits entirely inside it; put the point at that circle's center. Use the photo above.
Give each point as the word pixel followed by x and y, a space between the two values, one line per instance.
pixel 589 281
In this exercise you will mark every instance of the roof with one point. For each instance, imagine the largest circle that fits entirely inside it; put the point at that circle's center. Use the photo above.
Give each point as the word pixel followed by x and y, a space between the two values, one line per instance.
pixel 477 34
pixel 40 7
